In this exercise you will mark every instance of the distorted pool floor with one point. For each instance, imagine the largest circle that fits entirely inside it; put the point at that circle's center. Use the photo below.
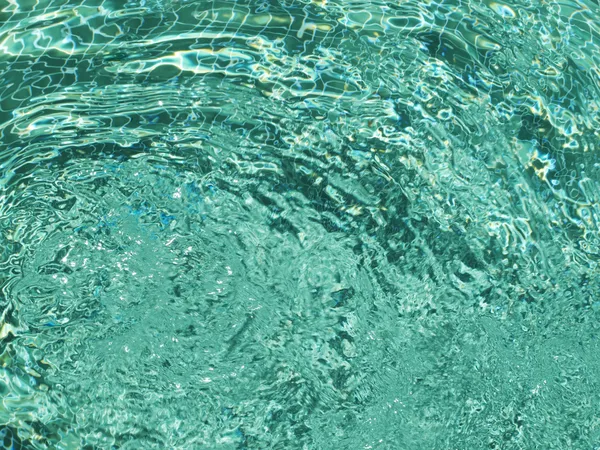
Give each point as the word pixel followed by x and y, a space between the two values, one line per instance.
pixel 297 224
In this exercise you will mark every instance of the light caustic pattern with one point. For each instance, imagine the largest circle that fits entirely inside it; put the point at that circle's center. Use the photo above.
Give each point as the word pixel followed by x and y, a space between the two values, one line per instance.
pixel 299 224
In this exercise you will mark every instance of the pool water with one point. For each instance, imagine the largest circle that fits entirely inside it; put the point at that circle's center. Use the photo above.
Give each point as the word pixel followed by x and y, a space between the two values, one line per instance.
pixel 296 224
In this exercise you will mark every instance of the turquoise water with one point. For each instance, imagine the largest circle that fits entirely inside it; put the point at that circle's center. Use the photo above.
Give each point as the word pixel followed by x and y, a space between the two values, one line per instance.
pixel 299 224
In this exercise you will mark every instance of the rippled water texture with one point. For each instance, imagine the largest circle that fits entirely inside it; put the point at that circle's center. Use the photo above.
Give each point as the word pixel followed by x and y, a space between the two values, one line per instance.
pixel 299 224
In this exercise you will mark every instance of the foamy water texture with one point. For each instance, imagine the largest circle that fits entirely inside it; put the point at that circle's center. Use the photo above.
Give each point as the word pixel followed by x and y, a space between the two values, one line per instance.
pixel 297 224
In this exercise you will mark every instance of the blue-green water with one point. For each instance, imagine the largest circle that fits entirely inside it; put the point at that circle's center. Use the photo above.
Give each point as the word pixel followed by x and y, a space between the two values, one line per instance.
pixel 295 224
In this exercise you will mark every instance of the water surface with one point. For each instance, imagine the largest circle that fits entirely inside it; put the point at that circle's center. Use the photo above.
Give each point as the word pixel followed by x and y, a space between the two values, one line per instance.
pixel 299 224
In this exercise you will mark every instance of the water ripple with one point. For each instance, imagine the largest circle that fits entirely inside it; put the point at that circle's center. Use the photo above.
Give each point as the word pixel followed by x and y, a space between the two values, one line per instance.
pixel 299 224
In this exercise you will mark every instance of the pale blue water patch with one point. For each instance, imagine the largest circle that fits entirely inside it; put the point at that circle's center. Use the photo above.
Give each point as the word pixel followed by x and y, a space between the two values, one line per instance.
pixel 299 224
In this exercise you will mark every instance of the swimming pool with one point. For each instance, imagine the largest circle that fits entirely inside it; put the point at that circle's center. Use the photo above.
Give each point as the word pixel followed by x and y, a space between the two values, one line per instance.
pixel 299 224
